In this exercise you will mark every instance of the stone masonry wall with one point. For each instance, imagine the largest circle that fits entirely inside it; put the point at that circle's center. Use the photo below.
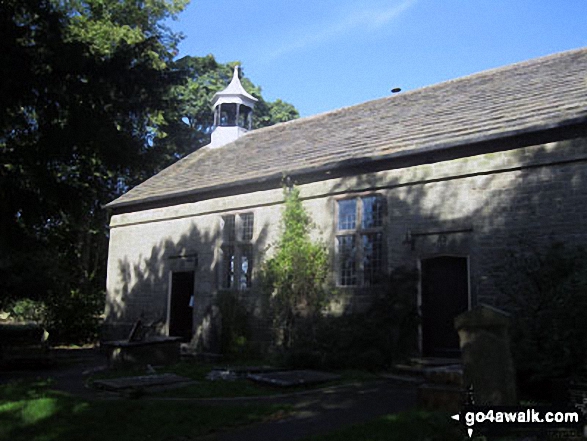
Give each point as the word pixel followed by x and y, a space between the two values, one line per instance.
pixel 536 193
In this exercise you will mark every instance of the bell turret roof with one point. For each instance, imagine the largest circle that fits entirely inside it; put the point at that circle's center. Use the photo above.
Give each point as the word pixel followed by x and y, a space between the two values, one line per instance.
pixel 234 93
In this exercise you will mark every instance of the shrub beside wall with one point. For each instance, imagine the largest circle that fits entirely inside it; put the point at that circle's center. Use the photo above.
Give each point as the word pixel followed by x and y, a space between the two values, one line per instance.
pixel 235 334
pixel 385 334
pixel 546 292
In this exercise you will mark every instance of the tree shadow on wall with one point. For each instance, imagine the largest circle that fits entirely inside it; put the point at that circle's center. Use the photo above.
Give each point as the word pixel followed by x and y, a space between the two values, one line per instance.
pixel 455 207
pixel 476 207
pixel 143 282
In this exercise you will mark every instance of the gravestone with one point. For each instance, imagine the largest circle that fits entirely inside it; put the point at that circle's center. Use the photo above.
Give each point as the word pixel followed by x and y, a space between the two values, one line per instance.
pixel 487 360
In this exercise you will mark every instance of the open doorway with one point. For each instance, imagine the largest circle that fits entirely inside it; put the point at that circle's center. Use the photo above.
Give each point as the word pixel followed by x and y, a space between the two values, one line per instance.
pixel 444 295
pixel 181 304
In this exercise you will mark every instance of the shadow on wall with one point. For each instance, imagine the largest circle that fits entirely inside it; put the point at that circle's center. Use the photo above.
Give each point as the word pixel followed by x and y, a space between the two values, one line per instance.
pixel 461 208
pixel 450 208
pixel 143 286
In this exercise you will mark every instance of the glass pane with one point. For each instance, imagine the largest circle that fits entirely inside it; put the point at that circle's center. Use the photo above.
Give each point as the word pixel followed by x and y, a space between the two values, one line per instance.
pixel 243 117
pixel 372 258
pixel 229 228
pixel 372 212
pixel 247 220
pixel 347 265
pixel 228 267
pixel 246 267
pixel 347 214
pixel 227 114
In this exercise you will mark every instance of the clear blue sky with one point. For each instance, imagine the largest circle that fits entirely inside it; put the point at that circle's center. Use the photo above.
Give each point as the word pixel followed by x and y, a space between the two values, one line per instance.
pixel 321 55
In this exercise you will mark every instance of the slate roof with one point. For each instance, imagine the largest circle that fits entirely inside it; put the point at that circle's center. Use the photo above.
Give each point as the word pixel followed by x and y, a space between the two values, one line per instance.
pixel 522 98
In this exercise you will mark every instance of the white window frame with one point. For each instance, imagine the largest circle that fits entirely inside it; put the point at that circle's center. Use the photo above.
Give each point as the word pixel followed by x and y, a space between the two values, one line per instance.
pixel 239 245
pixel 358 232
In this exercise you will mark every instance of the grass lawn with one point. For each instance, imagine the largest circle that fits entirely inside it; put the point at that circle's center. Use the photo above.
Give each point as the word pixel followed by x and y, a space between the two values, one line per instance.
pixel 413 426
pixel 222 389
pixel 417 425
pixel 33 412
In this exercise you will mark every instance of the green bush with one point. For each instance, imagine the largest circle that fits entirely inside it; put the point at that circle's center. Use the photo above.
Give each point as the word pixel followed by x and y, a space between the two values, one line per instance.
pixel 70 318
pixel 74 317
pixel 235 335
pixel 546 292
pixel 384 334
pixel 302 358
pixel 25 310
pixel 297 293
pixel 295 279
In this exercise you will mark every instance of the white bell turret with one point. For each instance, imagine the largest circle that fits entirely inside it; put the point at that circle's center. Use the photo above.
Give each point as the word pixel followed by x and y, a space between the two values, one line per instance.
pixel 233 112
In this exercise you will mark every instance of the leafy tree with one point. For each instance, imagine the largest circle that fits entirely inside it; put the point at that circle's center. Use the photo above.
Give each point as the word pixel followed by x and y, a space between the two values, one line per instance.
pixel 295 277
pixel 91 102
pixel 544 289
pixel 189 124
pixel 84 84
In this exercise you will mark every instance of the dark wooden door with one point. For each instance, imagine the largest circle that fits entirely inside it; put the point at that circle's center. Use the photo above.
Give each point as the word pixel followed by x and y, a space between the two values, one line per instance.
pixel 180 311
pixel 445 294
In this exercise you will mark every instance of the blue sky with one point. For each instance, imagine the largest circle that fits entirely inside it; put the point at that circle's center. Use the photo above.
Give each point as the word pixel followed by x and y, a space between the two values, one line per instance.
pixel 321 55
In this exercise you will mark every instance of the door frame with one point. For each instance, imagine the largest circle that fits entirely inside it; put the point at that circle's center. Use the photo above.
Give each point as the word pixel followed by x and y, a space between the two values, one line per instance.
pixel 419 299
pixel 169 292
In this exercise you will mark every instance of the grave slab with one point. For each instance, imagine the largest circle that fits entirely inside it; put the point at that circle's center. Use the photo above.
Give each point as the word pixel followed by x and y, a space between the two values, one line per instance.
pixel 140 382
pixel 293 378
pixel 232 373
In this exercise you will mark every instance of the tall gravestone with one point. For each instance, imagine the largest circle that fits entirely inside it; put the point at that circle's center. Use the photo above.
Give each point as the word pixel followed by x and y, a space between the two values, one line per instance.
pixel 487 361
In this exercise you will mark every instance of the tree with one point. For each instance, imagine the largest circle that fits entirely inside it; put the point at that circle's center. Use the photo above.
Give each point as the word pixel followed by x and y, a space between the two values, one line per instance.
pixel 91 103
pixel 544 289
pixel 189 124
pixel 84 84
pixel 295 278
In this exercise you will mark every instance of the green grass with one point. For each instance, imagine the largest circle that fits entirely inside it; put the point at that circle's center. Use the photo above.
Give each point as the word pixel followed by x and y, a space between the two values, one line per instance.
pixel 33 412
pixel 413 426
pixel 225 389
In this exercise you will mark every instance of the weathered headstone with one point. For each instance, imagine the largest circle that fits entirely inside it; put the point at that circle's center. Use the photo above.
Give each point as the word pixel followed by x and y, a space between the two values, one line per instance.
pixel 486 355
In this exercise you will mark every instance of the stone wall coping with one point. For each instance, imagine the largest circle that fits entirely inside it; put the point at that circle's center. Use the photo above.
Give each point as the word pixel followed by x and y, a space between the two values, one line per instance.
pixel 482 316
pixel 148 342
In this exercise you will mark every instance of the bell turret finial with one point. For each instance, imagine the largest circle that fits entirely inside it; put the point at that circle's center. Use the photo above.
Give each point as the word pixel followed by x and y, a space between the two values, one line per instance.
pixel 233 112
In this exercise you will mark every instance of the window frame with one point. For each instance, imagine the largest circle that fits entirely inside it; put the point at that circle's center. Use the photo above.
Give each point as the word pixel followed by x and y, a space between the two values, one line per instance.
pixel 241 247
pixel 359 232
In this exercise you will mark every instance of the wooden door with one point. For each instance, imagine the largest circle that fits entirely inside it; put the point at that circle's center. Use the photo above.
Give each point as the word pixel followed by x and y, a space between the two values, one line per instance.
pixel 445 294
pixel 180 310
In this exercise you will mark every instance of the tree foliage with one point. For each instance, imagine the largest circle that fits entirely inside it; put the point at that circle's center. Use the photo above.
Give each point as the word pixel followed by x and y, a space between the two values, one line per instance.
pixel 384 334
pixel 189 124
pixel 295 278
pixel 91 102
pixel 544 289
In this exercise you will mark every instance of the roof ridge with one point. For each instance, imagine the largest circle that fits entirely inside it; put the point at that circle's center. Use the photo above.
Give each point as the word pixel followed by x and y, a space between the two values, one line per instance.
pixel 527 96
pixel 486 72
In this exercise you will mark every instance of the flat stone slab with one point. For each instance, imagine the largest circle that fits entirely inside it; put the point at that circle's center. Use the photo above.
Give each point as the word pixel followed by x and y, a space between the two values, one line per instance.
pixel 140 382
pixel 293 378
pixel 445 375
pixel 231 373
pixel 157 340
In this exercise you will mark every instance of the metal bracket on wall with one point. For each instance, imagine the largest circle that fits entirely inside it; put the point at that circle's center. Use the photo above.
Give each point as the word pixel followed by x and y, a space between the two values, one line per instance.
pixel 188 257
pixel 411 236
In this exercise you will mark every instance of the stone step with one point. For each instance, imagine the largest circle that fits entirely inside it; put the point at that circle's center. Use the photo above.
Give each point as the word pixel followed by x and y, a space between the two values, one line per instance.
pixel 435 370
pixel 452 375
pixel 434 361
